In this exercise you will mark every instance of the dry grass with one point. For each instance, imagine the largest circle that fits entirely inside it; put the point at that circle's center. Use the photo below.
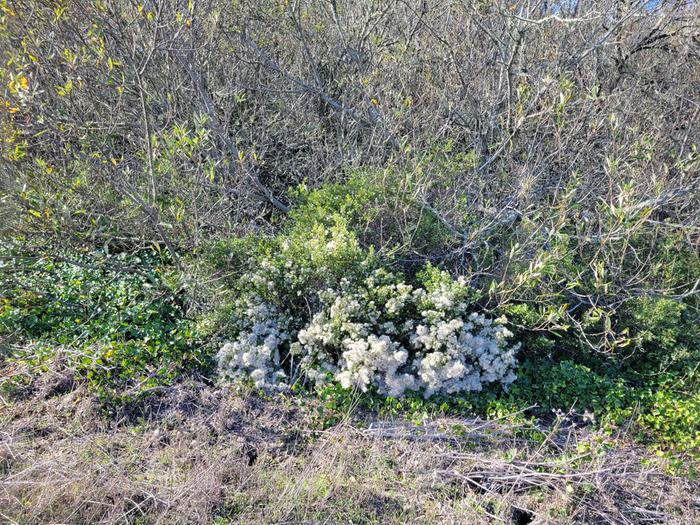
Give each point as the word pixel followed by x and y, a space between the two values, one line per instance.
pixel 206 455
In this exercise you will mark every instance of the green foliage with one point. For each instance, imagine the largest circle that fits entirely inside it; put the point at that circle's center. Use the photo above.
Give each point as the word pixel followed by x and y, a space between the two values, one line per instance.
pixel 436 280
pixel 381 208
pixel 120 327
pixel 673 420
pixel 568 385
pixel 315 250
pixel 661 414
pixel 355 200
pixel 665 332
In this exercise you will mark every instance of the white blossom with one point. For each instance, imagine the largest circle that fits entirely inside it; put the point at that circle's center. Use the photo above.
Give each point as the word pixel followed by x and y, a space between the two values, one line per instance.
pixel 255 352
pixel 365 336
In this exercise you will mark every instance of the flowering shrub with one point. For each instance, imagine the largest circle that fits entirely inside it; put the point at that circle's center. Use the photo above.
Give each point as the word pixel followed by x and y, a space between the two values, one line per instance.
pixel 395 337
pixel 278 292
pixel 322 311
pixel 256 350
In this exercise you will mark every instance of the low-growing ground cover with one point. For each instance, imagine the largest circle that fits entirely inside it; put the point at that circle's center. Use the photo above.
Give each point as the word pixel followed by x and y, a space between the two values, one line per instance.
pixel 113 319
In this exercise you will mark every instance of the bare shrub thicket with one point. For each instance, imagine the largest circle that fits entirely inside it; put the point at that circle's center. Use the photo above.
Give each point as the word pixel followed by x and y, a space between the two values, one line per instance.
pixel 527 130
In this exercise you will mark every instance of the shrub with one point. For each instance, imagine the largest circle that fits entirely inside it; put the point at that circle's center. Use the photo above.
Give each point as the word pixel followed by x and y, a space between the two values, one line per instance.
pixel 673 420
pixel 317 307
pixel 277 287
pixel 665 333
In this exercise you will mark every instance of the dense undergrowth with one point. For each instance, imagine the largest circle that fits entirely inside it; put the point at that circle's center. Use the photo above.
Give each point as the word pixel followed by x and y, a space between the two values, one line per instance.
pixel 126 325
pixel 113 319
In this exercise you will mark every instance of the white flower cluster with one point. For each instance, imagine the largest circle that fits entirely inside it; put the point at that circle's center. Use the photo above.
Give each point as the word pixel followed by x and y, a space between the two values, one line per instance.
pixel 256 351
pixel 383 334
pixel 456 355
pixel 365 359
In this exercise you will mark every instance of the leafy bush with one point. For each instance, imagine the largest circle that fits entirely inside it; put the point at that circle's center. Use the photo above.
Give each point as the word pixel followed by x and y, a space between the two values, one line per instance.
pixel 673 420
pixel 315 305
pixel 665 334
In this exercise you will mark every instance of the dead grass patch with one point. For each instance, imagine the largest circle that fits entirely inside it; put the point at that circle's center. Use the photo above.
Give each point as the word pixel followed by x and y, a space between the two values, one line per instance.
pixel 200 454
